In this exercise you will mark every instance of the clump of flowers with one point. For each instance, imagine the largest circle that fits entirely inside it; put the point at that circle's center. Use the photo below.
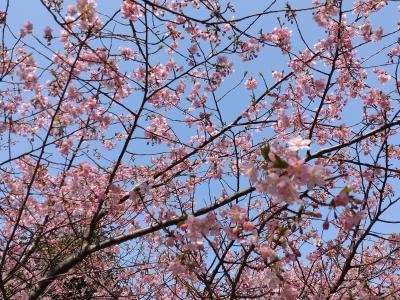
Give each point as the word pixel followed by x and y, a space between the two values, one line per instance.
pixel 283 177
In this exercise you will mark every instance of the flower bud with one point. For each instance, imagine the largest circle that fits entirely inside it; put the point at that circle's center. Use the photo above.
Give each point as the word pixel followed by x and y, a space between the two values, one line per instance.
pixel 248 226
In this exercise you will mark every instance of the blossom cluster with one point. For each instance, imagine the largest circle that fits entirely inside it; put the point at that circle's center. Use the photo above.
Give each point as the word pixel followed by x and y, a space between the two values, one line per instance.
pixel 283 178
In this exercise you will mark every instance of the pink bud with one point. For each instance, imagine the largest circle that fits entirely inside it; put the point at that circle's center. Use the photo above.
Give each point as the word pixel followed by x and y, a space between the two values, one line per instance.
pixel 28 27
pixel 48 33
pixel 248 226
pixel 72 10
pixel 325 225
pixel 296 252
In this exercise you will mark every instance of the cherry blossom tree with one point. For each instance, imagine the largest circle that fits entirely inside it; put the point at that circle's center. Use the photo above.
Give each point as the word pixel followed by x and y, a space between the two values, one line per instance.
pixel 183 149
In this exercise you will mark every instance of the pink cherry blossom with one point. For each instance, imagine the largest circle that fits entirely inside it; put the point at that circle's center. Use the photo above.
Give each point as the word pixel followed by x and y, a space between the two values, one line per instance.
pixel 2 16
pixel 133 168
pixel 267 253
pixel 251 172
pixel 251 83
pixel 298 143
pixel 130 10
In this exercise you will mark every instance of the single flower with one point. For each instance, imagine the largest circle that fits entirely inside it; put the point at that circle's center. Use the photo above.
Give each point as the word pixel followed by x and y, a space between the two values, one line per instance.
pixel 299 143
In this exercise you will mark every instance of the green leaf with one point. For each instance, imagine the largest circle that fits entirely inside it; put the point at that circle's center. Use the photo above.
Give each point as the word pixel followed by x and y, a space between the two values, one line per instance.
pixel 265 152
pixel 279 163
pixel 282 230
pixel 346 190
